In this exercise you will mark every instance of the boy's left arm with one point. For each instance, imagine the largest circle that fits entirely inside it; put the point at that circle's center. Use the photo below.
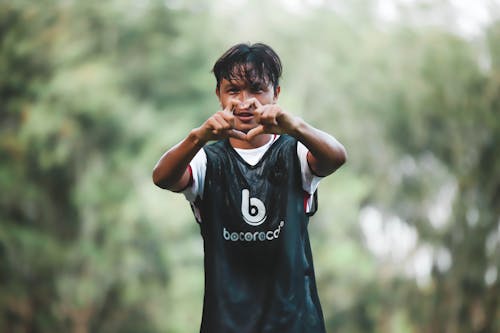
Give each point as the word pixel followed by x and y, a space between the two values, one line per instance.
pixel 326 154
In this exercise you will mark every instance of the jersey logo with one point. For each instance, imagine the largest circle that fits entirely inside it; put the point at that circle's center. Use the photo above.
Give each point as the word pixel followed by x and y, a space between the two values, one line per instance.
pixel 252 209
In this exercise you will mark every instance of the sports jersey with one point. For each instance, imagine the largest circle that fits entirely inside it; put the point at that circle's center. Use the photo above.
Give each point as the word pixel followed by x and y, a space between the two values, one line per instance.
pixel 259 275
pixel 198 167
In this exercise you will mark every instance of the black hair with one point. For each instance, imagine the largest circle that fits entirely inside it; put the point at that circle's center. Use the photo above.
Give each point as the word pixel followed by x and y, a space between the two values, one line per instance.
pixel 256 64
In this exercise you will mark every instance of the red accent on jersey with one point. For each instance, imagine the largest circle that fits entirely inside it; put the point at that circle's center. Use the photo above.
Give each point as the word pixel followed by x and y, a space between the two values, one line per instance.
pixel 307 196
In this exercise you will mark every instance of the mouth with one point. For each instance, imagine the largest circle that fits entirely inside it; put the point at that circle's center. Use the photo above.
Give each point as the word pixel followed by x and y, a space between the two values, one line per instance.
pixel 244 116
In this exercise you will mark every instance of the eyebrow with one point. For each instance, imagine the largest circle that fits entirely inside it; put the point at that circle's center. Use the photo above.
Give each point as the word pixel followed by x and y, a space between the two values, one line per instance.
pixel 257 84
pixel 231 85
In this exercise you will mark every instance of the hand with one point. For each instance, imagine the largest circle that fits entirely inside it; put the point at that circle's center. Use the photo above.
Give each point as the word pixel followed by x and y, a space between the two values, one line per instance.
pixel 221 125
pixel 272 119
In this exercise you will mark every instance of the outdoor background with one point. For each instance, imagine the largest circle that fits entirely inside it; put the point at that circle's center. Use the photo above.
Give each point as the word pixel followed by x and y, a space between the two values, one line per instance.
pixel 407 237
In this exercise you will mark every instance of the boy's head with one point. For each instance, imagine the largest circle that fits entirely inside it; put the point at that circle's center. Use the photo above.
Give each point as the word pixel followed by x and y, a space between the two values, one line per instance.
pixel 256 64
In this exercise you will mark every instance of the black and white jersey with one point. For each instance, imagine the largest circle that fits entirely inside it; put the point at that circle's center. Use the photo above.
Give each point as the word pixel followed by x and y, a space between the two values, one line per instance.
pixel 259 275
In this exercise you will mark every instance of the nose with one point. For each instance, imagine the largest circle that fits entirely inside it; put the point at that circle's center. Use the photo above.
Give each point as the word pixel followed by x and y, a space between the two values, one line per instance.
pixel 246 95
pixel 243 97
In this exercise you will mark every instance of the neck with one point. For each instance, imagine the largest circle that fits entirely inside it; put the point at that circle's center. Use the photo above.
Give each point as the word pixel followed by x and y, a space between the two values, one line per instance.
pixel 256 142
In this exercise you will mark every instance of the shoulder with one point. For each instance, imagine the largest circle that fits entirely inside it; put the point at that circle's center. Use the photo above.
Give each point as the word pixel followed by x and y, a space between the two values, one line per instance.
pixel 218 155
pixel 216 147
pixel 286 141
pixel 288 145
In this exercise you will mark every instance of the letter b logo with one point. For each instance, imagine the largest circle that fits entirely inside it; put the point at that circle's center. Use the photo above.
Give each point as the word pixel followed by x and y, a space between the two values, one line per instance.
pixel 252 209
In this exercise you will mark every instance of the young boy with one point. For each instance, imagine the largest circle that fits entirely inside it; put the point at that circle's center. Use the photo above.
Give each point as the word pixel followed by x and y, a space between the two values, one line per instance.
pixel 252 192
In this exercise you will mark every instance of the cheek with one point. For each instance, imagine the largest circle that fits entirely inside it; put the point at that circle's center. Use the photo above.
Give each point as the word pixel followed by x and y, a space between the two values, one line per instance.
pixel 228 100
pixel 224 100
pixel 267 98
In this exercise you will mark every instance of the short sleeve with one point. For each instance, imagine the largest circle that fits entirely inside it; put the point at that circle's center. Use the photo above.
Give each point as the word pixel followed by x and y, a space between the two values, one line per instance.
pixel 198 168
pixel 310 181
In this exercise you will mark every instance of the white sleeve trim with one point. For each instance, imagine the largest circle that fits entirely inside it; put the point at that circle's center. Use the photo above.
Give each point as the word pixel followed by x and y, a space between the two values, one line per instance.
pixel 199 168
pixel 310 181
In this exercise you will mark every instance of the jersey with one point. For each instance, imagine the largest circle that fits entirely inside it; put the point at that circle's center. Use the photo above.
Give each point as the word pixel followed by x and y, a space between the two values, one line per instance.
pixel 259 275
pixel 198 165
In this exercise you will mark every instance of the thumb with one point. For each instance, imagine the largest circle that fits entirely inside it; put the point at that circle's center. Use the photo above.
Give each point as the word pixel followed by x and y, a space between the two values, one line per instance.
pixel 237 134
pixel 254 132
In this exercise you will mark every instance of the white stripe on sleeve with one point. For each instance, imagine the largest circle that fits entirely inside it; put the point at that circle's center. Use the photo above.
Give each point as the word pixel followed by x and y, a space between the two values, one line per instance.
pixel 310 181
pixel 198 167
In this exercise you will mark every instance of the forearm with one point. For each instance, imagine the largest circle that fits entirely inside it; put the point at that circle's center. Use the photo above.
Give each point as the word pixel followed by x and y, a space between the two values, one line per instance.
pixel 171 170
pixel 326 154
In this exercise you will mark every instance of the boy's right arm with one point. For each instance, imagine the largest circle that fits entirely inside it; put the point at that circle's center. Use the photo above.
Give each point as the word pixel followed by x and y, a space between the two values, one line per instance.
pixel 171 172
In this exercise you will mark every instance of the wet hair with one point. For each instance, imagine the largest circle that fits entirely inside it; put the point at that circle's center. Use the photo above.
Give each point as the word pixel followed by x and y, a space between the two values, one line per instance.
pixel 257 64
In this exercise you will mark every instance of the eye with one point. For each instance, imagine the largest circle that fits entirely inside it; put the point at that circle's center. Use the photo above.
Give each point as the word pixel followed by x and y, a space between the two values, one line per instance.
pixel 257 90
pixel 232 91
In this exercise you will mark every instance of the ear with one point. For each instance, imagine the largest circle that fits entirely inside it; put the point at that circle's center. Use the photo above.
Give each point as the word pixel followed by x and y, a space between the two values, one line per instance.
pixel 217 92
pixel 277 91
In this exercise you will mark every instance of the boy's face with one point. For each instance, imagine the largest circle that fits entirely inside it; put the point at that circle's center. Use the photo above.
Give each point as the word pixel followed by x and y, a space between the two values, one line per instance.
pixel 242 90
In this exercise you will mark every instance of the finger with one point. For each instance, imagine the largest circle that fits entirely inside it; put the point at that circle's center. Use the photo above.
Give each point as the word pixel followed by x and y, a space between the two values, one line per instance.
pixel 228 117
pixel 237 134
pixel 222 121
pixel 252 101
pixel 268 117
pixel 231 104
pixel 214 125
pixel 254 132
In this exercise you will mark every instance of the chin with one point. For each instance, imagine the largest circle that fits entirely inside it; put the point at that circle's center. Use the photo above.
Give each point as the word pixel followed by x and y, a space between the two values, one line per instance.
pixel 245 128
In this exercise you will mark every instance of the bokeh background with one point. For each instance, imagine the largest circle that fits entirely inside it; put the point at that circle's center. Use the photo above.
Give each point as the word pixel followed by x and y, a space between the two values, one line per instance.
pixel 407 237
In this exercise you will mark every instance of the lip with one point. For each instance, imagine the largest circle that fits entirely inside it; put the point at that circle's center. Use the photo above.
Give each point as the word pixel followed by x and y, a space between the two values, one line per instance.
pixel 244 116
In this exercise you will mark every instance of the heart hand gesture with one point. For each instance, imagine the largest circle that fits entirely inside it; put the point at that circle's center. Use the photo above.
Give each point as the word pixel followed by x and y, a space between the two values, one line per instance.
pixel 272 119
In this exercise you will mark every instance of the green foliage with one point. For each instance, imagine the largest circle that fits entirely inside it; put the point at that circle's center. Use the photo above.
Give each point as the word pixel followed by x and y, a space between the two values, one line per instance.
pixel 91 94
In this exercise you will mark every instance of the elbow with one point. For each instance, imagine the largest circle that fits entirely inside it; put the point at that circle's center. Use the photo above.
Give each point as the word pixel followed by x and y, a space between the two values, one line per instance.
pixel 159 179
pixel 334 160
pixel 166 179
pixel 337 160
pixel 341 157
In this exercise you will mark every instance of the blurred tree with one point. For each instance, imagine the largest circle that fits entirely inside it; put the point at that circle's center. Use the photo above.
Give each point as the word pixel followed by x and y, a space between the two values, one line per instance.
pixel 69 252
pixel 442 123
pixel 453 124
pixel 92 93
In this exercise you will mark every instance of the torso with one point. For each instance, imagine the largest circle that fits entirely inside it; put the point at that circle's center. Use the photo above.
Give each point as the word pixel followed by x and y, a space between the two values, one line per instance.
pixel 259 275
